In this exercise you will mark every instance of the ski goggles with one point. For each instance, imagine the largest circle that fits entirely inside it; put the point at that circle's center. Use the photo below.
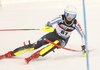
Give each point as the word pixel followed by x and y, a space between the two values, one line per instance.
pixel 68 15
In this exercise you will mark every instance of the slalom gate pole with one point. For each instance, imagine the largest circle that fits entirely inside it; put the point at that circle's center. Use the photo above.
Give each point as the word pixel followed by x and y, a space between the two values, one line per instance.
pixel 85 27
pixel 61 46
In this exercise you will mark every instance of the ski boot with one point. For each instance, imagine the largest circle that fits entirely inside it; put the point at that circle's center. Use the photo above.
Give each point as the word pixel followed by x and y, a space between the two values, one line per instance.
pixel 33 56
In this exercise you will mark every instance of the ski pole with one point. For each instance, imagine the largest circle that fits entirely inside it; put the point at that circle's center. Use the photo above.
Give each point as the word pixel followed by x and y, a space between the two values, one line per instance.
pixel 46 29
pixel 17 29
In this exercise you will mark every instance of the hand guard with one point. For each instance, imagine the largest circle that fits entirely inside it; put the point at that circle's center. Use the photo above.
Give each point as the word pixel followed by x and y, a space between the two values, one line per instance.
pixel 48 29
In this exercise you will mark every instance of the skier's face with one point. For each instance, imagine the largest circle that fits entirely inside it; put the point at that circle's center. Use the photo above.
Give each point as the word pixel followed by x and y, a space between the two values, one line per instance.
pixel 70 16
pixel 69 19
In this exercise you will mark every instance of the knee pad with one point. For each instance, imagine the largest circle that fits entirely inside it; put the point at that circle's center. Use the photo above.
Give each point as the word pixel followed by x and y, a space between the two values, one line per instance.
pixel 62 42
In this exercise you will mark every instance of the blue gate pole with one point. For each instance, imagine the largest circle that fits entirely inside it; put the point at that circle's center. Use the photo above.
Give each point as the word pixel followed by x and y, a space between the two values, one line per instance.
pixel 85 27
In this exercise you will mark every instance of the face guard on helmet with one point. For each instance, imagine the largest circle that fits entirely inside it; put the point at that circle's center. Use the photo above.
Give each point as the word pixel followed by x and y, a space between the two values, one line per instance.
pixel 70 12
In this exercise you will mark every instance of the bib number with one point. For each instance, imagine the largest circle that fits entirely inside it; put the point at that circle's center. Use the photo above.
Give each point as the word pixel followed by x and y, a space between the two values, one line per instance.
pixel 64 32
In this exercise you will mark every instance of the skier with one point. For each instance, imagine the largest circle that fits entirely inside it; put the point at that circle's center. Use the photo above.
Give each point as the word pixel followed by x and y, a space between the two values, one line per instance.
pixel 65 25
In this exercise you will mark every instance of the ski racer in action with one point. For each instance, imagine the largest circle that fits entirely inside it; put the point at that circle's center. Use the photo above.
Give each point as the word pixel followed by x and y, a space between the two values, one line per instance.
pixel 65 25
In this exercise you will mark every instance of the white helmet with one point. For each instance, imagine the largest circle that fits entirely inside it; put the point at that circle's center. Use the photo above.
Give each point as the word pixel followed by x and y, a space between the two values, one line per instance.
pixel 70 11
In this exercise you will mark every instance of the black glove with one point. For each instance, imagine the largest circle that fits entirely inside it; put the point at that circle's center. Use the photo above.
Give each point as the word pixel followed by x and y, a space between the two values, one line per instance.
pixel 83 48
pixel 48 24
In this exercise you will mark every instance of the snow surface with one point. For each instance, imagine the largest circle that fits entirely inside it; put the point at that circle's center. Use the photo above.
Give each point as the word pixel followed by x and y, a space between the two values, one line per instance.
pixel 35 15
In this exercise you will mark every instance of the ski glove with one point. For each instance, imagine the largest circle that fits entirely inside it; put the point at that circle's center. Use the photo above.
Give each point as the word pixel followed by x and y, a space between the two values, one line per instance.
pixel 48 24
pixel 83 50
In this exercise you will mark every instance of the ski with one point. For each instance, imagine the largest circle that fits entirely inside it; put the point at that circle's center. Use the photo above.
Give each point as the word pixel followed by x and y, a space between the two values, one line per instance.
pixel 1 57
